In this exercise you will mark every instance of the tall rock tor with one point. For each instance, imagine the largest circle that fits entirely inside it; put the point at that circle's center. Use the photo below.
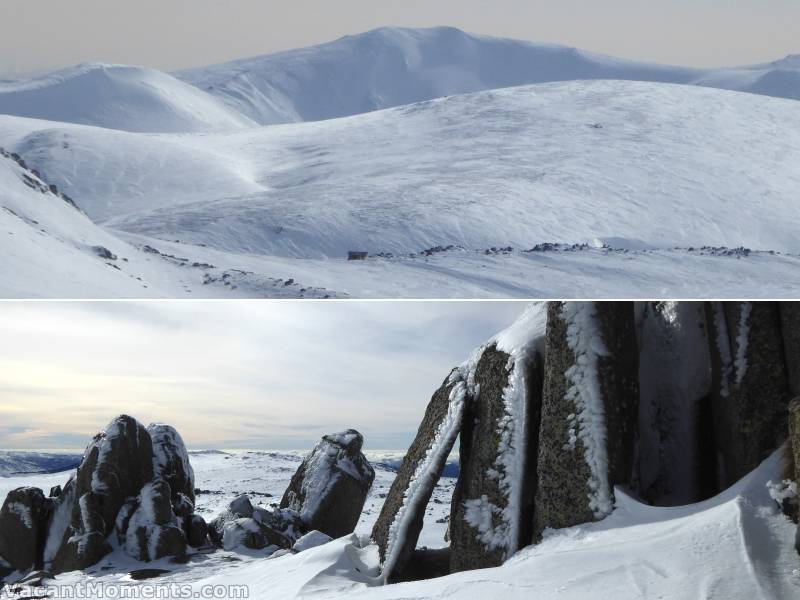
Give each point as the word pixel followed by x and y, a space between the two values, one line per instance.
pixel 330 487
pixel 23 521
pixel 492 505
pixel 400 521
pixel 589 411
pixel 115 466
pixel 750 384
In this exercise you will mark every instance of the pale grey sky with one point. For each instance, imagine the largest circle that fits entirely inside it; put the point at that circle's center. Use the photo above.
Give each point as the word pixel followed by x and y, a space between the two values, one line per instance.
pixel 232 374
pixel 38 35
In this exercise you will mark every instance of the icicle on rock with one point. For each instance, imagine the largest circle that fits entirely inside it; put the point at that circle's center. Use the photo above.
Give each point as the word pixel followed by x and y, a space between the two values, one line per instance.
pixel 589 412
pixel 492 506
pixel 23 519
pixel 750 384
pixel 399 524
pixel 330 487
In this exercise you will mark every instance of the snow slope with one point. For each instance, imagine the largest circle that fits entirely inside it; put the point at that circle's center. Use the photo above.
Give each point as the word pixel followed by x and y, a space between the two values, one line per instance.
pixel 390 67
pixel 639 164
pixel 119 97
pixel 735 546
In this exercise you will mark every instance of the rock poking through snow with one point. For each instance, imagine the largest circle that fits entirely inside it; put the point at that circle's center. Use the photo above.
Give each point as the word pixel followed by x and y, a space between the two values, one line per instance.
pixel 398 526
pixel 790 328
pixel 750 384
pixel 330 487
pixel 589 412
pixel 23 519
pixel 256 528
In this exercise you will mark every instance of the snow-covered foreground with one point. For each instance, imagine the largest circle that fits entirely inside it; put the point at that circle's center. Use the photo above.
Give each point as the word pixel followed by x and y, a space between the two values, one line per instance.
pixel 736 546
pixel 653 171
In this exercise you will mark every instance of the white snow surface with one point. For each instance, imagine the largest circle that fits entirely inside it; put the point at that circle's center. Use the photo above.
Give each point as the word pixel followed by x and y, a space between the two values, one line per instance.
pixel 736 546
pixel 119 97
pixel 588 424
pixel 257 208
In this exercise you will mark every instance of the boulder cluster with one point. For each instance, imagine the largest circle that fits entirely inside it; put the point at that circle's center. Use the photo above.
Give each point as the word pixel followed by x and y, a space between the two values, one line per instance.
pixel 325 497
pixel 134 492
pixel 577 399
pixel 133 489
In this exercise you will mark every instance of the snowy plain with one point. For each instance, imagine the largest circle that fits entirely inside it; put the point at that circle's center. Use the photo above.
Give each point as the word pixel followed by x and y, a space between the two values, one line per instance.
pixel 736 546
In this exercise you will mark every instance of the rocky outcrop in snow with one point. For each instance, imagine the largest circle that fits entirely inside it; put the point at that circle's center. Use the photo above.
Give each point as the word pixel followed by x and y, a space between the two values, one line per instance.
pixel 23 520
pixel 750 388
pixel 589 412
pixel 398 526
pixel 489 521
pixel 330 486
pixel 790 326
pixel 244 526
pixel 133 489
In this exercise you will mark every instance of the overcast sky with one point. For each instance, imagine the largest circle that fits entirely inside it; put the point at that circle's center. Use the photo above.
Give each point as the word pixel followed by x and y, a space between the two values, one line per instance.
pixel 232 374
pixel 37 35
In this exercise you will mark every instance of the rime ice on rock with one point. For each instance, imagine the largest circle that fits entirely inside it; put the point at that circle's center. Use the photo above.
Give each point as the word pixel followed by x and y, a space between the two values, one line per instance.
pixel 750 384
pixel 492 507
pixel 398 526
pixel 589 411
pixel 331 485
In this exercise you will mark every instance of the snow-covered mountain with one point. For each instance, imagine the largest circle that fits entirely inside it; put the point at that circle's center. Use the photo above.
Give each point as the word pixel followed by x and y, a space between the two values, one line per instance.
pixel 119 97
pixel 392 66
pixel 382 68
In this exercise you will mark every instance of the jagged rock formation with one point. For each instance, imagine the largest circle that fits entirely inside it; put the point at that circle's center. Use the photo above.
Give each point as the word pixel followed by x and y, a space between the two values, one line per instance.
pixel 398 526
pixel 750 389
pixel 330 487
pixel 589 411
pixel 579 397
pixel 122 488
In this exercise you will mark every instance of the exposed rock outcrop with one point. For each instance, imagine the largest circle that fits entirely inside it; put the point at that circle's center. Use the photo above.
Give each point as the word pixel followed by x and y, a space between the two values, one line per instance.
pixel 589 411
pixel 790 328
pixel 122 493
pixel 399 524
pixel 330 487
pixel 256 528
pixel 492 506
pixel 23 520
pixel 750 384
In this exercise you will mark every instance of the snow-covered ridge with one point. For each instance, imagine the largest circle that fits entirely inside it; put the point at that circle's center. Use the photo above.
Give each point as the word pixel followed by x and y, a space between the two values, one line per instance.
pixel 119 97
pixel 393 66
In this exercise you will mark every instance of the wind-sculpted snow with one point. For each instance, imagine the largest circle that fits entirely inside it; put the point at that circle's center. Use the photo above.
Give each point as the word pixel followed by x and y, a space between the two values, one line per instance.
pixel 619 188
pixel 390 67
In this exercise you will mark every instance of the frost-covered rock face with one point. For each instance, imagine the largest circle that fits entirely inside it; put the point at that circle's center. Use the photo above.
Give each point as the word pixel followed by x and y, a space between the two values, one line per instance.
pixel 330 486
pixel 171 460
pixel 486 516
pixel 23 519
pixel 589 411
pixel 399 524
pixel 750 384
